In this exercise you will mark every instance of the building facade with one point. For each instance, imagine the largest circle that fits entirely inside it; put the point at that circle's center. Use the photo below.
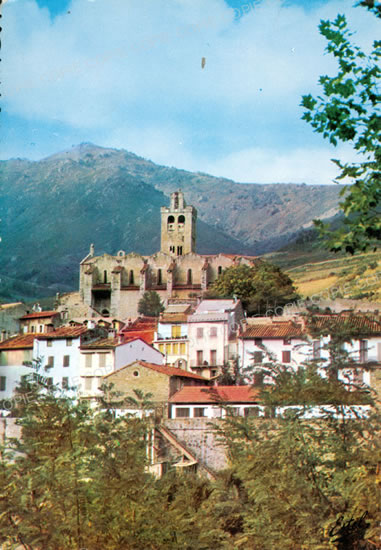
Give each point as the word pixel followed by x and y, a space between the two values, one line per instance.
pixel 113 285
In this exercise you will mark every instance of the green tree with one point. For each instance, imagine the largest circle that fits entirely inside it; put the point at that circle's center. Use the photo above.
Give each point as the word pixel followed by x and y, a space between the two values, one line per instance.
pixel 348 111
pixel 150 304
pixel 262 288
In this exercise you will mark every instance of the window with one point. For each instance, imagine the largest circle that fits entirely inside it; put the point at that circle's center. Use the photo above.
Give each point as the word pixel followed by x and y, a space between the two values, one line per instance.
pixel 200 357
pixel 182 412
pixel 286 341
pixel 258 357
pixel 179 250
pixel 363 351
pixel 213 332
pixel 176 331
pixel 69 342
pixel 49 382
pixel 170 222
pixel 286 356
pixel 102 360
pixel 219 269
pixel 232 411
pixel 358 377
pixel 213 357
pixel 131 279
pixel 200 333
pixel 251 411
pixel 199 412
pixel 32 328
pixel 258 378
pixel 65 383
pixel 135 373
pixel 159 277
pixel 258 341
pixel 88 360
pixel 316 349
pixel 168 349
pixel 182 348
pixel 3 383
pixel 189 277
pixel 66 360
pixel 49 343
pixel 88 383
pixel 162 348
pixel 105 276
pixel 175 348
pixel 50 362
pixel 181 219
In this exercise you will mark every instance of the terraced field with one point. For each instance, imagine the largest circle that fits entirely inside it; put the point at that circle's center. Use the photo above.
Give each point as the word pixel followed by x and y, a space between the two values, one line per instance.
pixel 353 277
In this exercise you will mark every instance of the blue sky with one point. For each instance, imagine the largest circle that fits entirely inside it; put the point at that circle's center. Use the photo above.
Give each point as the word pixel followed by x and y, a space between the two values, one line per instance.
pixel 128 74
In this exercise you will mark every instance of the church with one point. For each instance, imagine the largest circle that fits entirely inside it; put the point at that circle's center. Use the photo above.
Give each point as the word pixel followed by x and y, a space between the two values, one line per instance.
pixel 111 286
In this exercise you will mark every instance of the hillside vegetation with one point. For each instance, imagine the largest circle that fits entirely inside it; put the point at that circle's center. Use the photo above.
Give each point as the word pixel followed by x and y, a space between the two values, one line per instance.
pixel 317 272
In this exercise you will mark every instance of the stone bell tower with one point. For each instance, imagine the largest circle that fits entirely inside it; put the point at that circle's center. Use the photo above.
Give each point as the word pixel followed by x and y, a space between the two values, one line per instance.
pixel 178 226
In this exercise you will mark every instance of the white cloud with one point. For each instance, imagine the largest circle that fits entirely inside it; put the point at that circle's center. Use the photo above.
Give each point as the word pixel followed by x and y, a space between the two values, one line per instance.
pixel 301 165
pixel 131 71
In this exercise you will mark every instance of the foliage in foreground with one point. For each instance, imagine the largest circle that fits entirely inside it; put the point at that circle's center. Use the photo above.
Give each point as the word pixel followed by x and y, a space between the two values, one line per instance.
pixel 348 111
pixel 79 478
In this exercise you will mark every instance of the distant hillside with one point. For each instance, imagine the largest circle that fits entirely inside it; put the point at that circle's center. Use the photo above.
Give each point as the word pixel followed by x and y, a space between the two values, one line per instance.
pixel 319 273
pixel 51 210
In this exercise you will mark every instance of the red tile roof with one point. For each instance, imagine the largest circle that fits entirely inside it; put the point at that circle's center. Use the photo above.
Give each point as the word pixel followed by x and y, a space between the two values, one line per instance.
pixel 102 343
pixel 63 332
pixel 142 327
pixel 216 394
pixel 365 324
pixel 169 371
pixel 21 341
pixel 282 329
pixel 39 315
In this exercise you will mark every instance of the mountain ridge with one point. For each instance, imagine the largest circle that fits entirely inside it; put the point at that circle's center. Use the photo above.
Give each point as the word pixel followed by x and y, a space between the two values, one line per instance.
pixel 53 208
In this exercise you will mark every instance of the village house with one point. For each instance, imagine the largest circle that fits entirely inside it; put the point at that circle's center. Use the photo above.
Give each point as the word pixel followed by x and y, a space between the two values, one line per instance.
pixel 215 402
pixel 16 355
pixel 266 339
pixel 212 332
pixel 111 286
pixel 58 352
pixel 160 381
pixel 106 355
pixel 40 321
pixel 141 327
pixel 294 341
pixel 363 349
pixel 171 337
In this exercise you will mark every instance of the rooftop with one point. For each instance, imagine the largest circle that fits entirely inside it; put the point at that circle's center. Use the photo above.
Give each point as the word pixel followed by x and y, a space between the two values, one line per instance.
pixel 364 324
pixel 63 332
pixel 169 371
pixel 281 329
pixel 220 306
pixel 21 341
pixel 216 394
pixel 39 315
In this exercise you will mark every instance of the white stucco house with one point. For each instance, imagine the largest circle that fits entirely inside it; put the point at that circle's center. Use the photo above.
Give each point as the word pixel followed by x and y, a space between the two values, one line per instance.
pixel 212 332
pixel 59 354
pixel 101 357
